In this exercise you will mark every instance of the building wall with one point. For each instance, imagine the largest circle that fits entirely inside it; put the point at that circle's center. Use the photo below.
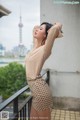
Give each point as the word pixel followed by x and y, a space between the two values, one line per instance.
pixel 65 56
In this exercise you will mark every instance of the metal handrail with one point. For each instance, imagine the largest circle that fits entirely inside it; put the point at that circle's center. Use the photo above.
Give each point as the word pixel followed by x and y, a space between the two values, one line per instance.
pixel 10 99
pixel 14 98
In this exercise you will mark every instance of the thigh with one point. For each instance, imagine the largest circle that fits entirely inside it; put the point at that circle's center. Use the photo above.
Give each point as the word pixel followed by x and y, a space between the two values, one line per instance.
pixel 34 114
pixel 45 114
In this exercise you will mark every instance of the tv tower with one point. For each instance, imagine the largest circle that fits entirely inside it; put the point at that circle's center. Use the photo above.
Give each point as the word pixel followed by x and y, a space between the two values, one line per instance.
pixel 20 30
pixel 20 50
pixel 20 46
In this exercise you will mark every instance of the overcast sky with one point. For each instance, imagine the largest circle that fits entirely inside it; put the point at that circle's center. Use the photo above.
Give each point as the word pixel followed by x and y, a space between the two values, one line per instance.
pixel 9 30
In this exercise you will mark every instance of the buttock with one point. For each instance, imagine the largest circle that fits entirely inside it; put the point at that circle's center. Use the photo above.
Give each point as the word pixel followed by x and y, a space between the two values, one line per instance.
pixel 42 97
pixel 39 86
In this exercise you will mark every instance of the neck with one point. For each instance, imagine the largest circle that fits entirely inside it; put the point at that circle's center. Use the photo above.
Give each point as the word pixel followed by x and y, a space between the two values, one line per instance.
pixel 37 44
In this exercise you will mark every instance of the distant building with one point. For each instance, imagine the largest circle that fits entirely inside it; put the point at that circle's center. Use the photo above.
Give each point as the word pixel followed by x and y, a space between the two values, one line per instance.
pixel 4 11
pixel 2 50
pixel 19 51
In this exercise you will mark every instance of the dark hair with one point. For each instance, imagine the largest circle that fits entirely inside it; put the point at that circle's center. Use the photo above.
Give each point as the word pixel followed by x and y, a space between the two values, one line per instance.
pixel 48 26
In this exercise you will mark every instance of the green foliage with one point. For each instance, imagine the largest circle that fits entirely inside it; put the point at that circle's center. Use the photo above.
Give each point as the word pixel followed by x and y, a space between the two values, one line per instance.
pixel 12 78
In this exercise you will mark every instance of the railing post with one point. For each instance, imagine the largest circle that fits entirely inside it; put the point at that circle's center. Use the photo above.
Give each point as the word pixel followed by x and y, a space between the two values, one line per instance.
pixel 48 76
pixel 15 108
pixel 29 108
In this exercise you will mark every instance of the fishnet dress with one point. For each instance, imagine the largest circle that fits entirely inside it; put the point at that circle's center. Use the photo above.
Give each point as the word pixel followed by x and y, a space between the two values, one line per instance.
pixel 42 97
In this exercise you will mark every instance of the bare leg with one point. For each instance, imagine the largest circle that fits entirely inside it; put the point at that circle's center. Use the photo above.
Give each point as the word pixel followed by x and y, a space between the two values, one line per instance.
pixel 34 114
pixel 45 114
pixel 40 115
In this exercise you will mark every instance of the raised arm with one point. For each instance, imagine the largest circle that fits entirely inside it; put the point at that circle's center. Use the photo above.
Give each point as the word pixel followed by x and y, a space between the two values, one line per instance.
pixel 53 33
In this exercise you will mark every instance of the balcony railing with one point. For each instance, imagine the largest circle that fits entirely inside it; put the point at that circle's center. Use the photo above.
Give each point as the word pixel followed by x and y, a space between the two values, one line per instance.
pixel 20 111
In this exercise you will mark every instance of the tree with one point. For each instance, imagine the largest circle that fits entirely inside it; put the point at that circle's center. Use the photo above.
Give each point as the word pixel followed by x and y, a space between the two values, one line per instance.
pixel 12 78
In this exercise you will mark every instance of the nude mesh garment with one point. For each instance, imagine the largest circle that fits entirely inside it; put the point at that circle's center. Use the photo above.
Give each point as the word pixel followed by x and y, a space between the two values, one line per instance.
pixel 42 97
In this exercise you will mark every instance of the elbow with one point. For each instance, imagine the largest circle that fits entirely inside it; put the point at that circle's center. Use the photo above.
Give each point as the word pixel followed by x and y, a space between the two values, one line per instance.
pixel 56 31
pixel 56 28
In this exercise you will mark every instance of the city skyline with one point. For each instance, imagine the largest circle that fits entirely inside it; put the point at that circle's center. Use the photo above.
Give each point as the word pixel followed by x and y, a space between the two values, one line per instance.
pixel 9 29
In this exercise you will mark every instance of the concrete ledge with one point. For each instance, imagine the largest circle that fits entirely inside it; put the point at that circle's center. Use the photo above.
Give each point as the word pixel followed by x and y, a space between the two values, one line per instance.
pixel 68 103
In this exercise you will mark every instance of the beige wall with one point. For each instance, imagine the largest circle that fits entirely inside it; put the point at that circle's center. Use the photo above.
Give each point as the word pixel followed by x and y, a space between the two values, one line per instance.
pixel 66 51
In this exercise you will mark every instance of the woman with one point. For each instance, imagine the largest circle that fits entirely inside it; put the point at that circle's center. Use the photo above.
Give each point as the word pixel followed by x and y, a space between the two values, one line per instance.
pixel 43 37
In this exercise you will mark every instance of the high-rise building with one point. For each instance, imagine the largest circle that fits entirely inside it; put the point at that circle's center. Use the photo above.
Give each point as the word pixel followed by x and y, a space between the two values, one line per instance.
pixel 2 50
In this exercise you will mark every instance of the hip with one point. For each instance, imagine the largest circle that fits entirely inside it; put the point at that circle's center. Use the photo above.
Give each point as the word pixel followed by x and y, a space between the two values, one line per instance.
pixel 39 86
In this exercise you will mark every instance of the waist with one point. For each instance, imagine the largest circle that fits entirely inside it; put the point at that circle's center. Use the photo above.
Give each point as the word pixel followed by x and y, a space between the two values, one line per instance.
pixel 33 79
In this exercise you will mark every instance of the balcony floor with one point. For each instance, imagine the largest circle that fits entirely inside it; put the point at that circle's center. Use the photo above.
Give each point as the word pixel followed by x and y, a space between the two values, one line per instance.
pixel 65 115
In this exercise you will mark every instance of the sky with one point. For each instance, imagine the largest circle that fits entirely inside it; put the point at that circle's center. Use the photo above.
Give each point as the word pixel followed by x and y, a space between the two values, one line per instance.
pixel 9 30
